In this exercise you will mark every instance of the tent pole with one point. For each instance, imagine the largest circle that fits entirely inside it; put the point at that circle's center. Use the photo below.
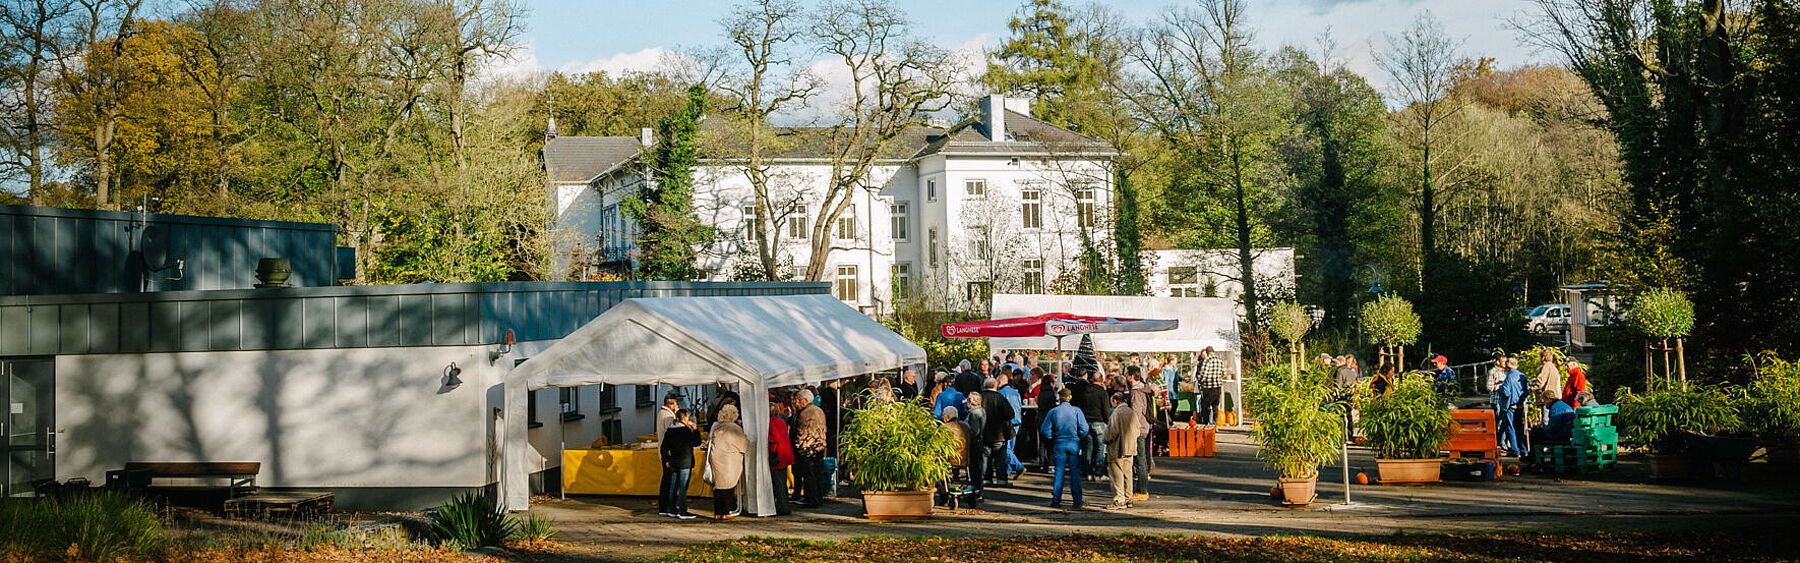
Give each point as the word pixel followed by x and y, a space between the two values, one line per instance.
pixel 562 443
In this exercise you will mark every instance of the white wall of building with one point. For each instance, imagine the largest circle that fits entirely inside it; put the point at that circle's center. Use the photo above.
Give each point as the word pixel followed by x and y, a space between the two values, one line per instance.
pixel 1169 272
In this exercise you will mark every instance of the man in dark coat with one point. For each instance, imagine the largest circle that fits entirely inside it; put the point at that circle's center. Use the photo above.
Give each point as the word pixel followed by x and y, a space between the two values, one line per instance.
pixel 677 452
pixel 967 379
pixel 1093 400
pixel 996 430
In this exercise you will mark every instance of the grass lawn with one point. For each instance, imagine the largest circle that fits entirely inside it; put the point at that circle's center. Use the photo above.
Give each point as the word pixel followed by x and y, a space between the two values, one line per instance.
pixel 1754 545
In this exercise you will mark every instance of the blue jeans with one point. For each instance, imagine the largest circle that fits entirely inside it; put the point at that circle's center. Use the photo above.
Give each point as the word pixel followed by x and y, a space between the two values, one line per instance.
pixel 1507 426
pixel 1095 462
pixel 1013 465
pixel 672 497
pixel 1068 471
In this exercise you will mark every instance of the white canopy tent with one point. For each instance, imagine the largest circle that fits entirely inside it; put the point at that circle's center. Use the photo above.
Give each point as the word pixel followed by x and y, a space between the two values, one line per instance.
pixel 1204 321
pixel 756 342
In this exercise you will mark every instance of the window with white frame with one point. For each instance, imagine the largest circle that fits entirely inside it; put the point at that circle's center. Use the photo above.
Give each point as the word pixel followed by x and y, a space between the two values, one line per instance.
pixel 845 228
pixel 902 279
pixel 796 223
pixel 570 400
pixel 1184 281
pixel 750 223
pixel 1032 207
pixel 975 187
pixel 978 243
pixel 931 246
pixel 898 213
pixel 1034 276
pixel 1084 206
pixel 845 288
pixel 931 190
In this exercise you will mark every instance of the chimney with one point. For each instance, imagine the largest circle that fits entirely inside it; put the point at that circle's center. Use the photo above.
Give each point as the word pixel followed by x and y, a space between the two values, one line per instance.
pixel 550 131
pixel 993 113
pixel 1019 105
pixel 646 137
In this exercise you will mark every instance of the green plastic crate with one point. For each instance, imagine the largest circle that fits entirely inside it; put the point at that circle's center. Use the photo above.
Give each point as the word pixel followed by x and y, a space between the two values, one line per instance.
pixel 1595 415
pixel 1595 436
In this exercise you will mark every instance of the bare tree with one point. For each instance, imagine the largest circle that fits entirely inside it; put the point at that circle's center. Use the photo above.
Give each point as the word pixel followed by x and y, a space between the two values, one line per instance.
pixel 96 78
pixel 761 80
pixel 29 35
pixel 1422 70
pixel 894 80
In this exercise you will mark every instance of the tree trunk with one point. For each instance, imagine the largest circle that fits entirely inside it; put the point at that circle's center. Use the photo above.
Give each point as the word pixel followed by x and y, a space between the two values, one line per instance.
pixel 1427 213
pixel 102 139
pixel 1246 262
pixel 1681 365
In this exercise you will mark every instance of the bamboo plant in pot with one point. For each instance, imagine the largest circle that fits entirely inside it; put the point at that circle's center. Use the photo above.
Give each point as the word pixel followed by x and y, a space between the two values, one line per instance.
pixel 1661 417
pixel 1772 407
pixel 1300 425
pixel 896 454
pixel 1406 426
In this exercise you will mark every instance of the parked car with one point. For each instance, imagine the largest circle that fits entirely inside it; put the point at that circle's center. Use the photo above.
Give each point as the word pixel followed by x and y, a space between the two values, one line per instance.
pixel 1548 318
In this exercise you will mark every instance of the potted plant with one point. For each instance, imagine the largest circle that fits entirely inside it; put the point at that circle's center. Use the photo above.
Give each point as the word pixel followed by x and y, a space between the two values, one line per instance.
pixel 1406 426
pixel 1663 314
pixel 1772 407
pixel 1662 417
pixel 896 453
pixel 1300 425
pixel 1391 322
pixel 1290 322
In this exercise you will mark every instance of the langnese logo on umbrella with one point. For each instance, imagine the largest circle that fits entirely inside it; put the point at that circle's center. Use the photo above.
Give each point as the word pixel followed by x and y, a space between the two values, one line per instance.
pixel 953 330
pixel 1062 329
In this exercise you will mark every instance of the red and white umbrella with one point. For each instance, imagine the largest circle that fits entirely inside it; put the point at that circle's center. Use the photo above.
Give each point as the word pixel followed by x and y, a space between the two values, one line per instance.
pixel 1053 324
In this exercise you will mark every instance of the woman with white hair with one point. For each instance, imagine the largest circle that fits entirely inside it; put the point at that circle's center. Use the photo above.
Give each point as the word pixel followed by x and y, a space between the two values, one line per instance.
pixel 725 455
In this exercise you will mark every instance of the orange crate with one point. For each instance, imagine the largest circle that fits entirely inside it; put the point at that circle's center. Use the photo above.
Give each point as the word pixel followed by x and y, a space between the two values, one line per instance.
pixel 1191 442
pixel 1471 429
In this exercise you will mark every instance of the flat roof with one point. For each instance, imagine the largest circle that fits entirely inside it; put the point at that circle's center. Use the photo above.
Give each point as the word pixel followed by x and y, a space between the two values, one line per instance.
pixel 40 211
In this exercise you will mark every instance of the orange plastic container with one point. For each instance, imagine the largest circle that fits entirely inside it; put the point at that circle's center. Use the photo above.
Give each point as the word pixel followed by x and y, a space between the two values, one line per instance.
pixel 1192 442
pixel 1471 430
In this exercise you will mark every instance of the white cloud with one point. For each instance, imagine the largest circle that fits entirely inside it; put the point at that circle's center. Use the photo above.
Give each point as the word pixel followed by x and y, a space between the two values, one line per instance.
pixel 641 61
pixel 521 64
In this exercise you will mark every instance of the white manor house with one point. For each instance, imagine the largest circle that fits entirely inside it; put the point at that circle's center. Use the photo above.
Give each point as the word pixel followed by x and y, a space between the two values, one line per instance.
pixel 997 203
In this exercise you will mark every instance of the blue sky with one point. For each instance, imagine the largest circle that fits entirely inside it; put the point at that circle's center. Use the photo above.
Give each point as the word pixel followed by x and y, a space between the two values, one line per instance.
pixel 577 35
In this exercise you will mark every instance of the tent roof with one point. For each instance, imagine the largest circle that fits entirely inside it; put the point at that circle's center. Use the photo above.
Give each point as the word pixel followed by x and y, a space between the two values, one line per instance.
pixel 775 340
pixel 1204 321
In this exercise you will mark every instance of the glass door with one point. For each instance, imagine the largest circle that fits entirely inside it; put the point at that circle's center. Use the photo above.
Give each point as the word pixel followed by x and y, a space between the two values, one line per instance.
pixel 29 395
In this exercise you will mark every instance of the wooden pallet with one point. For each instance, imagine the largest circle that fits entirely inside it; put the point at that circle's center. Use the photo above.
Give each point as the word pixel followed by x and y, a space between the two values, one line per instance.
pixel 1471 429
pixel 291 504
pixel 1192 442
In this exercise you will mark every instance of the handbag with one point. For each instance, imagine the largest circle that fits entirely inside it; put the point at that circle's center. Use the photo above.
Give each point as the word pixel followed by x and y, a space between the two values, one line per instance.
pixel 707 474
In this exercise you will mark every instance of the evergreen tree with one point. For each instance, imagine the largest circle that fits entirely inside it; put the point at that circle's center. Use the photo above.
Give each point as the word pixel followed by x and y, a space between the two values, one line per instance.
pixel 670 232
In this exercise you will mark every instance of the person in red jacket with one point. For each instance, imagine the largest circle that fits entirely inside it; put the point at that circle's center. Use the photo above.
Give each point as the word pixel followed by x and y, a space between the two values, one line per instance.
pixel 1576 385
pixel 781 455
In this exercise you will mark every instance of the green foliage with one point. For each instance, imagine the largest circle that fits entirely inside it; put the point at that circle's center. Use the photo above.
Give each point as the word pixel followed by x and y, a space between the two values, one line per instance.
pixel 1290 321
pixel 537 528
pixel 472 520
pixel 922 329
pixel 94 526
pixel 670 233
pixel 1471 307
pixel 1390 321
pixel 1408 421
pixel 1662 313
pixel 1658 418
pixel 1772 403
pixel 897 446
pixel 1298 424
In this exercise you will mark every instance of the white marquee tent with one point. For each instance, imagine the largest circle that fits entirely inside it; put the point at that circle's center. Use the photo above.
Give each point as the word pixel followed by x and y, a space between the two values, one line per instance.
pixel 1204 321
pixel 756 342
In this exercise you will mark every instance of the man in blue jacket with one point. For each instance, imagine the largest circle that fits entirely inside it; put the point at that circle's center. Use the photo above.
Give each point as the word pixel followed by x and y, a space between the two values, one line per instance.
pixel 1063 428
pixel 1509 410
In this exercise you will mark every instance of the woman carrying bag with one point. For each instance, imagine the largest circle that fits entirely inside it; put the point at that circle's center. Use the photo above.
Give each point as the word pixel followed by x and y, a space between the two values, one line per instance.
pixel 725 459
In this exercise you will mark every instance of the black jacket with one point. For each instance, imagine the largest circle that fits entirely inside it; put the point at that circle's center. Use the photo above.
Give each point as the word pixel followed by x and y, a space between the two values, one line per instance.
pixel 1092 400
pixel 999 417
pixel 968 382
pixel 678 447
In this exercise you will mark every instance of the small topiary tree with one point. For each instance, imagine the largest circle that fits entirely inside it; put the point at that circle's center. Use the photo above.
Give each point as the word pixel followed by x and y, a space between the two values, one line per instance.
pixel 1290 322
pixel 1663 314
pixel 1391 322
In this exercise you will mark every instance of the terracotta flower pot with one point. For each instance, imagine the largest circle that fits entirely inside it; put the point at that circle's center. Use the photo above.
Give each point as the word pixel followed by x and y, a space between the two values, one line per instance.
pixel 1404 471
pixel 897 505
pixel 1299 492
pixel 1669 466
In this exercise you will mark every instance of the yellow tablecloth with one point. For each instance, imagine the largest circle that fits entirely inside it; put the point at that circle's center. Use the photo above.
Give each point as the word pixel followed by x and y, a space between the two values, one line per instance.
pixel 630 472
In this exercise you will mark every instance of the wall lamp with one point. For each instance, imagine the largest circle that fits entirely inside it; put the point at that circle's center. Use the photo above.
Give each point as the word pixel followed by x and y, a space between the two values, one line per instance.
pixel 506 347
pixel 451 372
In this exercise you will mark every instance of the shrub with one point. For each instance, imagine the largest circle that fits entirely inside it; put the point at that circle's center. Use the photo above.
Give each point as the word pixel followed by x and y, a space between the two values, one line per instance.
pixel 897 446
pixel 1299 426
pixel 1290 322
pixel 537 528
pixel 98 526
pixel 1391 321
pixel 1408 422
pixel 472 520
pixel 1659 417
pixel 1663 313
pixel 1772 405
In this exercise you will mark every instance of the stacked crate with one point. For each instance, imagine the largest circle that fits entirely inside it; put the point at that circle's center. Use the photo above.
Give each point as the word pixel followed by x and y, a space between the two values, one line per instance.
pixel 1192 442
pixel 1593 444
pixel 1472 435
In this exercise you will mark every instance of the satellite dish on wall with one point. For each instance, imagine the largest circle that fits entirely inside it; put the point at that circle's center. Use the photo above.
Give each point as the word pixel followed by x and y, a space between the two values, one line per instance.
pixel 155 249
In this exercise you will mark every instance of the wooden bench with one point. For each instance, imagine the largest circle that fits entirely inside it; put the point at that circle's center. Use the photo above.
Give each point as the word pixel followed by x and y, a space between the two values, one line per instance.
pixel 239 476
pixel 292 504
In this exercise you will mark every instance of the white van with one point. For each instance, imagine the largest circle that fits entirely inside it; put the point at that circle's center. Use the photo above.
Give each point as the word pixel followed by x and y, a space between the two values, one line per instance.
pixel 1548 318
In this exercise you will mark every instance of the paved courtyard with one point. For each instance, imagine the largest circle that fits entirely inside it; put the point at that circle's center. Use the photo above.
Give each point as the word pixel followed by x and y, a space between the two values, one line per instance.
pixel 1227 495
